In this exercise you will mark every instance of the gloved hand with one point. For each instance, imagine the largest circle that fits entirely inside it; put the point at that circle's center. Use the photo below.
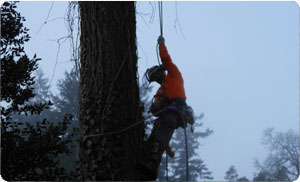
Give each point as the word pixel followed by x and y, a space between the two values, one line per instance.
pixel 170 152
pixel 160 40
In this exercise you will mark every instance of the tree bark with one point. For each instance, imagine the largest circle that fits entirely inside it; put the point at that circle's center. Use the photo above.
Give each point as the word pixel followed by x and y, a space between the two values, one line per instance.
pixel 109 96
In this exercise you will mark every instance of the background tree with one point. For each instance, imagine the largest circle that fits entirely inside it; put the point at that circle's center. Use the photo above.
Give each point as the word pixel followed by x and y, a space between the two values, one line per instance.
pixel 66 102
pixel 67 99
pixel 231 174
pixel 109 97
pixel 41 86
pixel 282 162
pixel 29 152
pixel 242 179
pixel 42 94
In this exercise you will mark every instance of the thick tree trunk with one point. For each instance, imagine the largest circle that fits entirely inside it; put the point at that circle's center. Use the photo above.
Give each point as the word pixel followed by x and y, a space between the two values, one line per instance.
pixel 109 95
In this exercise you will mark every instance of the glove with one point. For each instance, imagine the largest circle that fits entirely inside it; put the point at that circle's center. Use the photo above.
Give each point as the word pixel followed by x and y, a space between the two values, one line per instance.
pixel 170 152
pixel 160 40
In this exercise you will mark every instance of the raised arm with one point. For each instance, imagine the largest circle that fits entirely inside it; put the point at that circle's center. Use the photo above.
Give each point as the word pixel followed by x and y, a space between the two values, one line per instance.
pixel 173 71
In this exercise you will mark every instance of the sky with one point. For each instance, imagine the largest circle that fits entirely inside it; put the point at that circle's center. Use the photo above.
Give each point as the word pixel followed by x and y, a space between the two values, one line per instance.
pixel 239 61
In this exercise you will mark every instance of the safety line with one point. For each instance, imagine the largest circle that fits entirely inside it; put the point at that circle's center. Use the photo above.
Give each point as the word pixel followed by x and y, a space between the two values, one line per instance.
pixel 160 10
pixel 125 129
pixel 186 154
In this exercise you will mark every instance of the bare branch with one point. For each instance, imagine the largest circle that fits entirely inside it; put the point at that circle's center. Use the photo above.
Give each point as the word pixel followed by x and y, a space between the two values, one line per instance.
pixel 177 21
pixel 45 22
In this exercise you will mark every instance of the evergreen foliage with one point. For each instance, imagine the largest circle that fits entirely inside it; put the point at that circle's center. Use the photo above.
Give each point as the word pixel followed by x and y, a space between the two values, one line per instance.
pixel 29 150
pixel 66 102
pixel 41 87
pixel 231 174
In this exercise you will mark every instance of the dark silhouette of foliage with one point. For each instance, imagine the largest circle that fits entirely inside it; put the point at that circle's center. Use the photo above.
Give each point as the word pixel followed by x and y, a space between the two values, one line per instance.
pixel 242 179
pixel 66 102
pixel 16 67
pixel 231 174
pixel 28 151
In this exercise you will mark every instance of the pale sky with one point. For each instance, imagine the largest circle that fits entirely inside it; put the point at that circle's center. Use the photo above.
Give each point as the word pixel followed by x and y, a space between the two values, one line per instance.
pixel 239 61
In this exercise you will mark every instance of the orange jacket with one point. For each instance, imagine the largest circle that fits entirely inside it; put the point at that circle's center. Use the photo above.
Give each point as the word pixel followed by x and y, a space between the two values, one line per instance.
pixel 173 80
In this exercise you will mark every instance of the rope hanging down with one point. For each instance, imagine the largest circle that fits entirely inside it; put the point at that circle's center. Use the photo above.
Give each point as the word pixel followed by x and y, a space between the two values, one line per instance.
pixel 186 156
pixel 160 10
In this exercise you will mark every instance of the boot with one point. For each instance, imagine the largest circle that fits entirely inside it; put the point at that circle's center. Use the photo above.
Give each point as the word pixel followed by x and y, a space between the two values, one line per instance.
pixel 149 167
pixel 148 170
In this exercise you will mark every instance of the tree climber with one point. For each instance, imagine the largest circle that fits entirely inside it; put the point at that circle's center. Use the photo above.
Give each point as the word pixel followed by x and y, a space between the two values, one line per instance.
pixel 169 103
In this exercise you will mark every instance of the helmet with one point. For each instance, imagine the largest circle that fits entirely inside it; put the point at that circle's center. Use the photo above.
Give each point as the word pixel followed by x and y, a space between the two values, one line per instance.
pixel 155 73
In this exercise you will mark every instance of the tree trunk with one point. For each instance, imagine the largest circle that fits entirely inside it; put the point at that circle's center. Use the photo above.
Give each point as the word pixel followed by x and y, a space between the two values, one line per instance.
pixel 109 96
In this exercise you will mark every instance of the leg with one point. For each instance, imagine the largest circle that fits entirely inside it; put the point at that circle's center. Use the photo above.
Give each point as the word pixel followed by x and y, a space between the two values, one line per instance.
pixel 159 139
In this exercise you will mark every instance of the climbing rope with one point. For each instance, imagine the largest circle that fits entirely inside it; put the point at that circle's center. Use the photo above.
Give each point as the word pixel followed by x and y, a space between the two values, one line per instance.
pixel 157 54
pixel 125 129
pixel 160 11
pixel 186 155
pixel 167 176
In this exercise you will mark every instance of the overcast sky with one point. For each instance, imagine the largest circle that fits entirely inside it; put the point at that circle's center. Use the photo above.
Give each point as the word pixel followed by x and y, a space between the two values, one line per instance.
pixel 239 61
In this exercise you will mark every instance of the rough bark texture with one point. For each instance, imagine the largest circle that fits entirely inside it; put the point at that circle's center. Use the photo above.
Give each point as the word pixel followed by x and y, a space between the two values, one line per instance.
pixel 109 95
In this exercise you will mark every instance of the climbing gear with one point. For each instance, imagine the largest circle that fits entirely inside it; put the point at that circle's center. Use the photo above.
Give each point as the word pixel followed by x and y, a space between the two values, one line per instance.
pixel 188 114
pixel 160 11
pixel 186 155
pixel 156 106
pixel 186 111
pixel 160 40
pixel 167 171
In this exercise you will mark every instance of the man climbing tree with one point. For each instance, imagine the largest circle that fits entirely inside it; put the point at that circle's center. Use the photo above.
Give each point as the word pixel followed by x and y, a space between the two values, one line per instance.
pixel 169 106
pixel 108 92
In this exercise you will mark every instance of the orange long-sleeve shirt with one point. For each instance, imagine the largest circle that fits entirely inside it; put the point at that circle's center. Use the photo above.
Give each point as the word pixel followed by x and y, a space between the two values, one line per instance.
pixel 174 86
